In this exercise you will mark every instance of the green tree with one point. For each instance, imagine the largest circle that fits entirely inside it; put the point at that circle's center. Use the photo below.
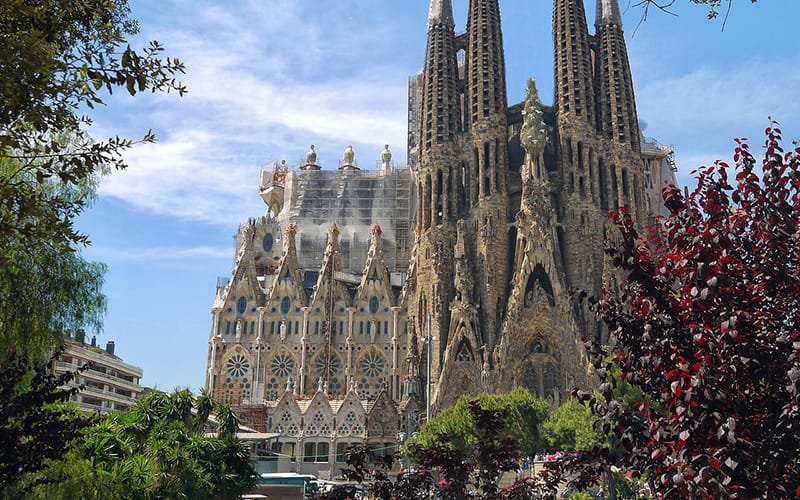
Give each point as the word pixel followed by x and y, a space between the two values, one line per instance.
pixel 158 449
pixel 456 425
pixel 571 427
pixel 36 423
pixel 44 290
pixel 58 59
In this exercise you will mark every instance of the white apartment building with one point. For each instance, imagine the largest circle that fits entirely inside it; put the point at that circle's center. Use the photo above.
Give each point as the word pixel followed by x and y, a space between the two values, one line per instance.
pixel 109 383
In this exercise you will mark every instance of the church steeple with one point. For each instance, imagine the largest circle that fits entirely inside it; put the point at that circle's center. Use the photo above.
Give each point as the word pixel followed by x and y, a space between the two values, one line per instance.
pixel 441 12
pixel 486 63
pixel 574 89
pixel 618 118
pixel 608 13
pixel 440 112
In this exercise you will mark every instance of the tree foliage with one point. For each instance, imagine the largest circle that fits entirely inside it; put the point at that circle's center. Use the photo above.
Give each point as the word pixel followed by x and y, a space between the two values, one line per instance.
pixel 450 472
pixel 571 427
pixel 708 325
pixel 57 59
pixel 35 423
pixel 158 449
pixel 523 415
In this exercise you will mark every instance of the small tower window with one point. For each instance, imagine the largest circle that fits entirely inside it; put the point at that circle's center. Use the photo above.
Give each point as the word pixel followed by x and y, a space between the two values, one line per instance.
pixel 241 306
pixel 286 305
pixel 374 305
pixel 267 242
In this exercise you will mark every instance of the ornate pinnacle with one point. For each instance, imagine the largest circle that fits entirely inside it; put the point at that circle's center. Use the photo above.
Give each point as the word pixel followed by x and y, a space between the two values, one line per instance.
pixel 533 133
pixel 291 230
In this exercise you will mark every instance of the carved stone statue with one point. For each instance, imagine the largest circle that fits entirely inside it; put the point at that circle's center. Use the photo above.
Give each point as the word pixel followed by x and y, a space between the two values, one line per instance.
pixel 386 158
pixel 349 155
pixel 311 156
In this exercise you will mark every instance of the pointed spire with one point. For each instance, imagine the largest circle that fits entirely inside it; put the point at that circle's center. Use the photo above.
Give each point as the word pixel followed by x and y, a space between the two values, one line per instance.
pixel 440 110
pixel 617 105
pixel 485 61
pixel 574 80
pixel 441 13
pixel 608 13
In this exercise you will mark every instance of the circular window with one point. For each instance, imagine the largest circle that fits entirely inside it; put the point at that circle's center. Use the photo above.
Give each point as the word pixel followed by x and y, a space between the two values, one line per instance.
pixel 237 366
pixel 328 366
pixel 374 304
pixel 267 242
pixel 286 305
pixel 241 306
pixel 373 365
pixel 282 366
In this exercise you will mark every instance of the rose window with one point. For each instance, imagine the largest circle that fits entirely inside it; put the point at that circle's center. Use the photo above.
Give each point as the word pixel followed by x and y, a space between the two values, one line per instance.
pixel 282 366
pixel 328 365
pixel 237 366
pixel 373 365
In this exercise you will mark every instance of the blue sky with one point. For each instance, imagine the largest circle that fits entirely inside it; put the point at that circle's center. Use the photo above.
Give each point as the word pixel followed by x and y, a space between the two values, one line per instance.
pixel 268 78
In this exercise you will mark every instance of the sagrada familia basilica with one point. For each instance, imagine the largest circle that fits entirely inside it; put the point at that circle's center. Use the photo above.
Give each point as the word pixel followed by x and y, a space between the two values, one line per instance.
pixel 365 299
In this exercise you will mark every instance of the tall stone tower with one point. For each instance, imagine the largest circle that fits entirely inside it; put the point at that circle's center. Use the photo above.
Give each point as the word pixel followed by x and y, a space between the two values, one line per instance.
pixel 437 175
pixel 488 106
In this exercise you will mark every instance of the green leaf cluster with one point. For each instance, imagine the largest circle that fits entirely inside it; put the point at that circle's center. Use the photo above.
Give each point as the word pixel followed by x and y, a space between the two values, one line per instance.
pixel 46 289
pixel 58 59
pixel 525 415
pixel 159 449
pixel 571 427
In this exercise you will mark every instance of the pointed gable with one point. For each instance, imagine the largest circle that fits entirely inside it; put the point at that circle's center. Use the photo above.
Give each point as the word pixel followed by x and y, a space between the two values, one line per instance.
pixel 286 415
pixel 382 417
pixel 375 279
pixel 327 284
pixel 351 415
pixel 318 417
pixel 288 276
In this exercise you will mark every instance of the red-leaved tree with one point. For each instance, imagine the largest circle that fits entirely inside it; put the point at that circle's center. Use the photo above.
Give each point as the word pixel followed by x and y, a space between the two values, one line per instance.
pixel 707 325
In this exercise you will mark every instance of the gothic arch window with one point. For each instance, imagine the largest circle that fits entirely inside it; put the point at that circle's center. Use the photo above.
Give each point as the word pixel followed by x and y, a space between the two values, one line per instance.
pixel 241 305
pixel 539 288
pixel 550 379
pixel 267 242
pixel 464 353
pixel 286 305
pixel 530 379
pixel 374 305
pixel 282 366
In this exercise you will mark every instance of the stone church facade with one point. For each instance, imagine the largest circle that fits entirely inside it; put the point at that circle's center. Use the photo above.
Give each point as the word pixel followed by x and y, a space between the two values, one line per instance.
pixel 453 275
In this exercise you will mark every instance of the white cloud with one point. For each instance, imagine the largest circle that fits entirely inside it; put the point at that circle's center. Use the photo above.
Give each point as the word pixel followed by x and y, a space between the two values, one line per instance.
pixel 702 111
pixel 263 84
pixel 109 254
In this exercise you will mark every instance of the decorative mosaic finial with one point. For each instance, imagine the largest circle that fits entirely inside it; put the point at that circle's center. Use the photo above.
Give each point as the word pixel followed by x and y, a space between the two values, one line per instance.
pixel 334 229
pixel 291 230
pixel 376 230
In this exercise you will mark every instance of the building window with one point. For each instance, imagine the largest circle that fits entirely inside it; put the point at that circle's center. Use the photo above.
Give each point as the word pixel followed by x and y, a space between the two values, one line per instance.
pixel 286 305
pixel 227 328
pixel 241 306
pixel 315 452
pixel 272 328
pixel 267 242
pixel 374 305
pixel 341 452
